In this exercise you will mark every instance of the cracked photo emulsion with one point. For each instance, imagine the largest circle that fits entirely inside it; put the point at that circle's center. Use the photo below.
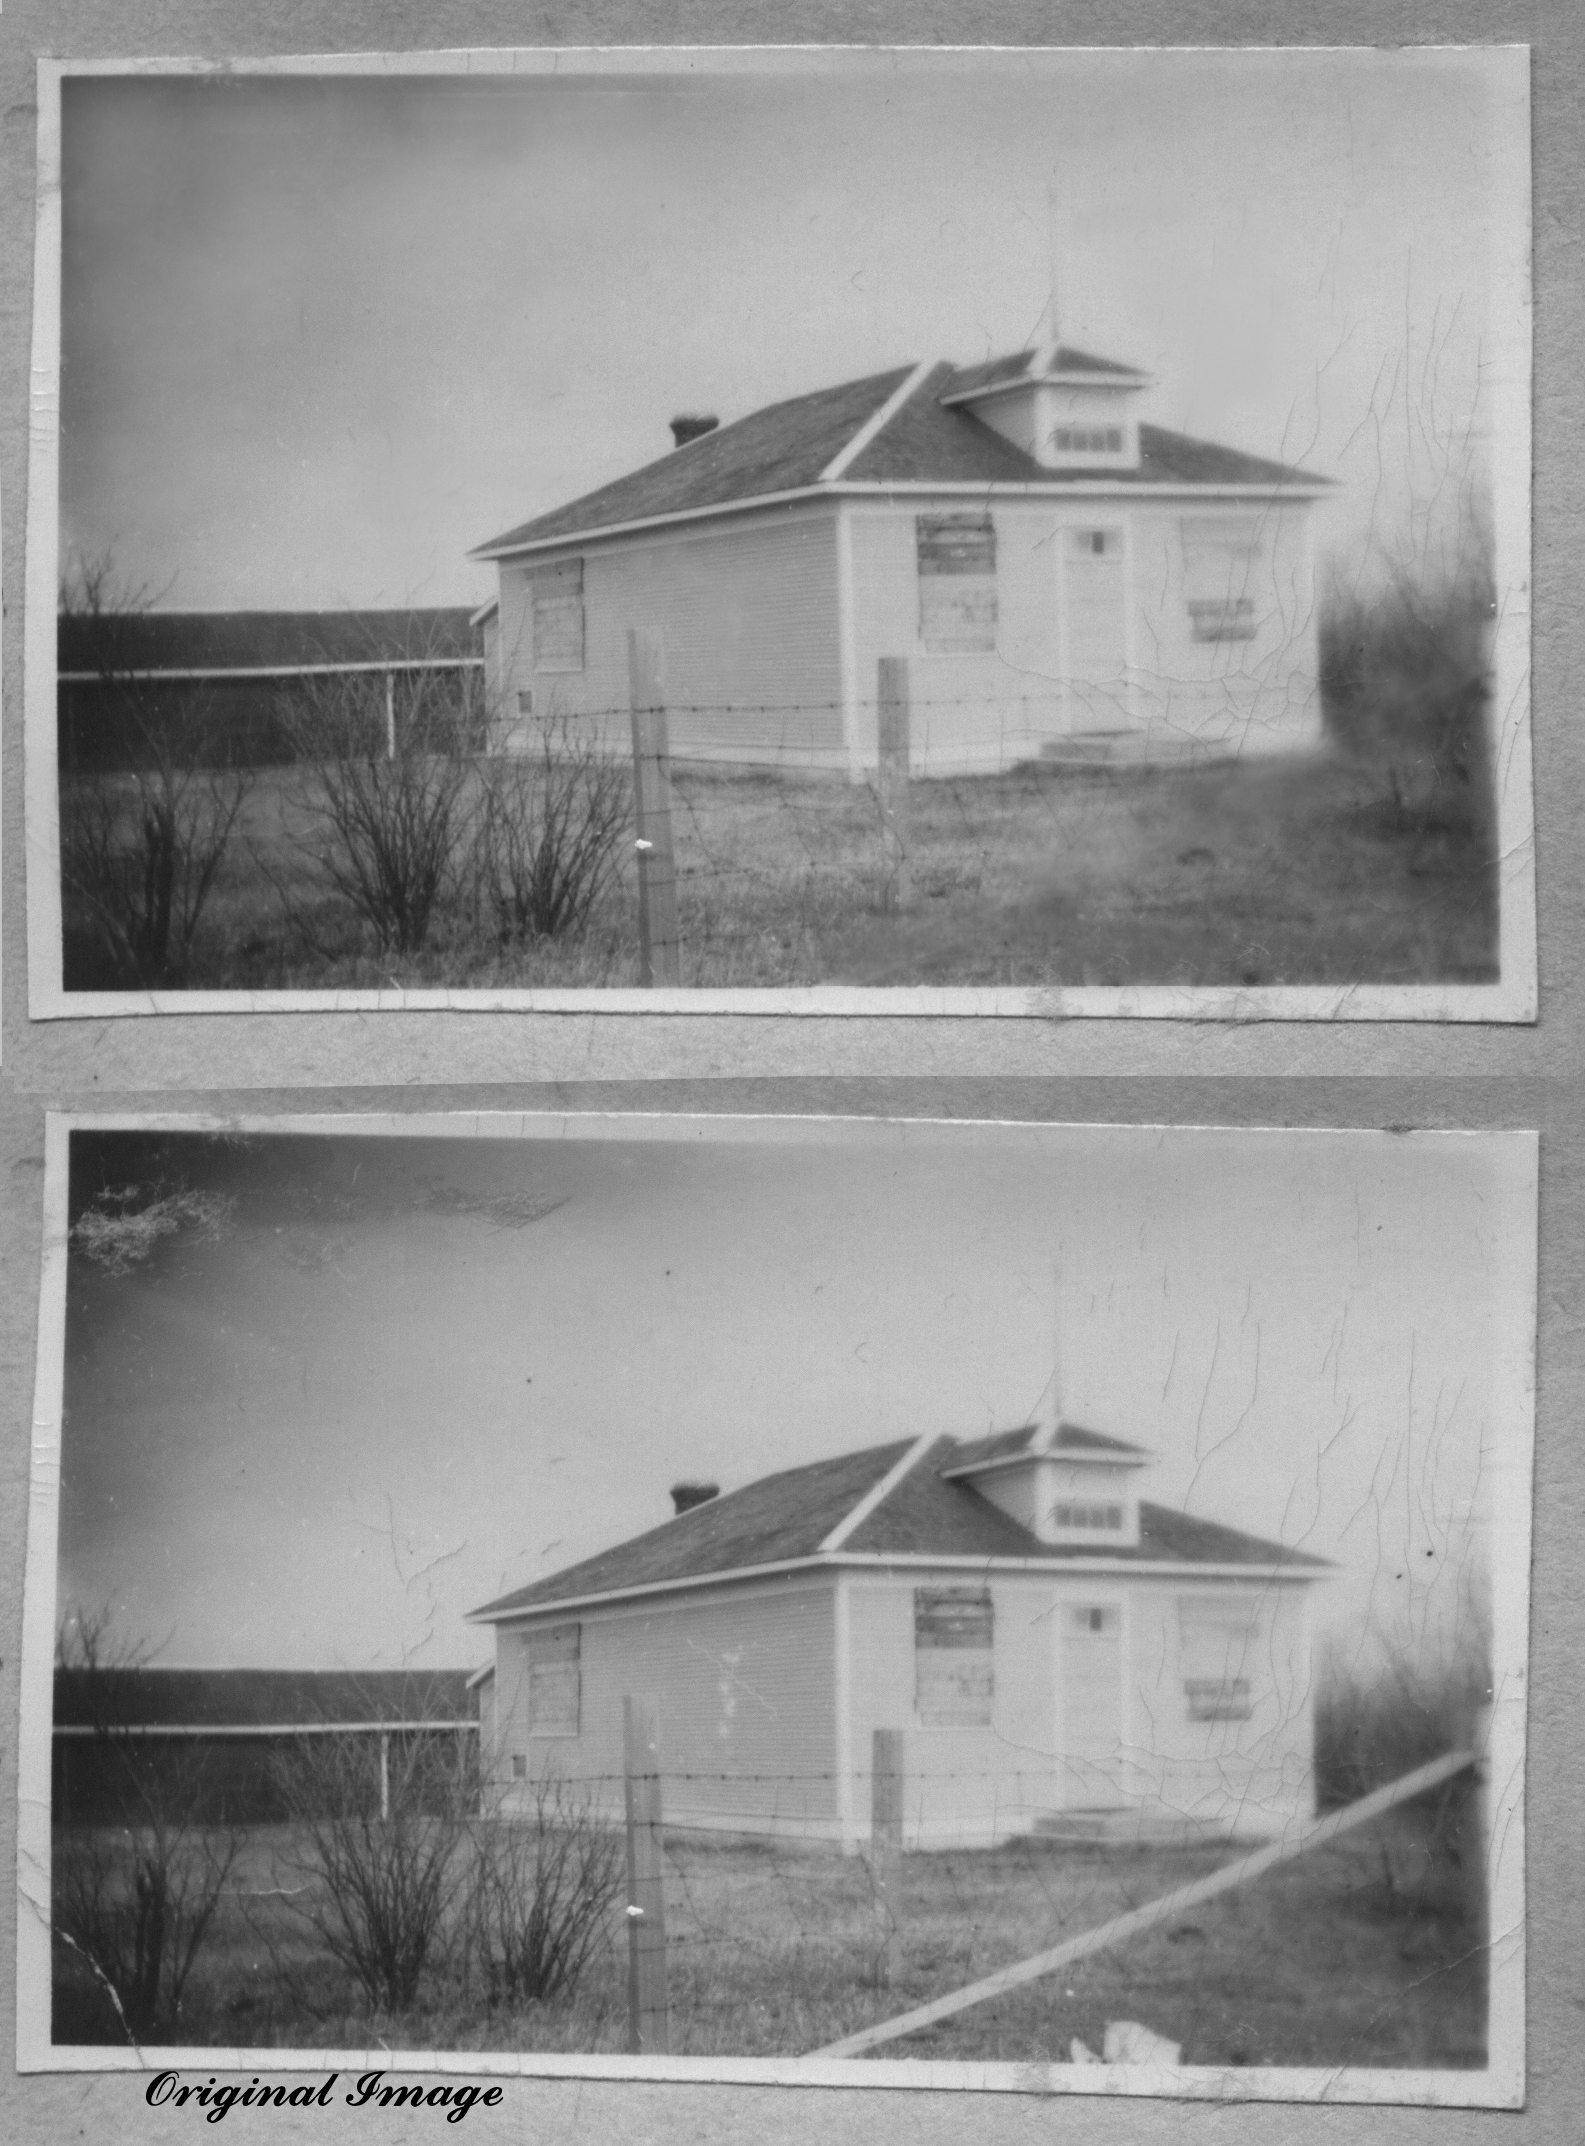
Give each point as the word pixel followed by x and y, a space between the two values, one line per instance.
pixel 634 530
pixel 812 1601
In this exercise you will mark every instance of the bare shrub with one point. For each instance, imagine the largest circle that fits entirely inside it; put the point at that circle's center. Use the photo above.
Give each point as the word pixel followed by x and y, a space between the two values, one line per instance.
pixel 1376 1720
pixel 547 835
pixel 1406 681
pixel 541 1890
pixel 133 1900
pixel 379 1847
pixel 385 785
pixel 142 846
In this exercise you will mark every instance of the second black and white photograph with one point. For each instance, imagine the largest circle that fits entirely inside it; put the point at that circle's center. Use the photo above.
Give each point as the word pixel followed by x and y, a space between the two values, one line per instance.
pixel 872 1603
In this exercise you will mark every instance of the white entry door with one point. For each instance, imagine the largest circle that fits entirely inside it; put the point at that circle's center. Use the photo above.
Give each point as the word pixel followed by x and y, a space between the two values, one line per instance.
pixel 1094 601
pixel 1092 1703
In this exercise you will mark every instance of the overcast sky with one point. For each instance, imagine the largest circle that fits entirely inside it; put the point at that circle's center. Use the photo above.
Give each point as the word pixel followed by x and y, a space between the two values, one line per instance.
pixel 320 336
pixel 408 1374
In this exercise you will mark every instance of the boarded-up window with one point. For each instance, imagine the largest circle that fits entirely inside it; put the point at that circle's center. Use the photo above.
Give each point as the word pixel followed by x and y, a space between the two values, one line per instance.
pixel 954 1648
pixel 558 616
pixel 552 1660
pixel 1220 1642
pixel 1221 576
pixel 957 580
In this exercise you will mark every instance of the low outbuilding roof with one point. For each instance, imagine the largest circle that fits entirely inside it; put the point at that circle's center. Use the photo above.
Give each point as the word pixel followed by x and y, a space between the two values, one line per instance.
pixel 926 1510
pixel 822 443
pixel 261 1699
pixel 212 643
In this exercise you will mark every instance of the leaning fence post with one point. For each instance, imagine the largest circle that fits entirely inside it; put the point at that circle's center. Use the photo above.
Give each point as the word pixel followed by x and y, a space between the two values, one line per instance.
pixel 648 2013
pixel 891 778
pixel 886 1847
pixel 660 959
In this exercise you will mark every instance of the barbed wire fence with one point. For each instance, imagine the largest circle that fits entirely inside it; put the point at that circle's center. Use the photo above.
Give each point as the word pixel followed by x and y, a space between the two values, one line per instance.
pixel 908 834
pixel 904 1904
pixel 764 1944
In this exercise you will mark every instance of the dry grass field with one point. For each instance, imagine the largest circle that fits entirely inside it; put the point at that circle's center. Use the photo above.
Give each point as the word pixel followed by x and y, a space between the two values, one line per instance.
pixel 1363 1953
pixel 1301 872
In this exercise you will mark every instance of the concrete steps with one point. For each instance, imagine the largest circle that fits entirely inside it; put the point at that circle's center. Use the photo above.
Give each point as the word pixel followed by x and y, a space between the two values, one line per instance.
pixel 1121 1827
pixel 1128 748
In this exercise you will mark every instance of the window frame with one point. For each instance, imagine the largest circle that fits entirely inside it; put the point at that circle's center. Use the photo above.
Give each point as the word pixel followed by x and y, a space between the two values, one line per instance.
pixel 1222 559
pixel 941 539
pixel 941 1614
pixel 548 1680
pixel 1230 1695
pixel 556 590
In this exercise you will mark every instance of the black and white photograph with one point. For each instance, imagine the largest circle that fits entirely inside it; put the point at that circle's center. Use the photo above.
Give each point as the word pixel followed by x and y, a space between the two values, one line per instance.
pixel 822 530
pixel 826 1601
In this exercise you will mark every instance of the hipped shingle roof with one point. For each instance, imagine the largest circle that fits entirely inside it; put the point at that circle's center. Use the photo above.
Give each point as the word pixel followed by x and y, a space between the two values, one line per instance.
pixel 926 439
pixel 784 1519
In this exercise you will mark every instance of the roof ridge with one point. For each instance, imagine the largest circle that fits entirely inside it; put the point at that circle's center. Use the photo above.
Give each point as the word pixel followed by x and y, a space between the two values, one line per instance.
pixel 877 421
pixel 877 1494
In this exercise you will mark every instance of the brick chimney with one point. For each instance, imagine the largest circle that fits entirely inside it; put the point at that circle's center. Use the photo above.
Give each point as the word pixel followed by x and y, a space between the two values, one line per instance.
pixel 684 429
pixel 685 1496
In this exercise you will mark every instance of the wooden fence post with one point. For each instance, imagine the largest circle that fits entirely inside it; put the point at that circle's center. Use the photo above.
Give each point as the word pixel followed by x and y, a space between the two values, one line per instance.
pixel 886 1847
pixel 390 715
pixel 660 960
pixel 891 778
pixel 648 2012
pixel 1479 1851
pixel 385 1773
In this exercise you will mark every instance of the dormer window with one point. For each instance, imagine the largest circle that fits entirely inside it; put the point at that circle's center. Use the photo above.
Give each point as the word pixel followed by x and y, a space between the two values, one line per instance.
pixel 1088 439
pixel 1064 410
pixel 1071 1488
pixel 1106 1517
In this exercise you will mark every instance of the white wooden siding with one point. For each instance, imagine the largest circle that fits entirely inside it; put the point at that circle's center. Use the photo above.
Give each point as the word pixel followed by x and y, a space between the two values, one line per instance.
pixel 745 614
pixel 744 1681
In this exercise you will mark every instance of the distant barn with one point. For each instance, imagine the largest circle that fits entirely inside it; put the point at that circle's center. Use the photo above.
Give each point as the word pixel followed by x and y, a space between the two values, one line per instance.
pixel 217 1737
pixel 234 678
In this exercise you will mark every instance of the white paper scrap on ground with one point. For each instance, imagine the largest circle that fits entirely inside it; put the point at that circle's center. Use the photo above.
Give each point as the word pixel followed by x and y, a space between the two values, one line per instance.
pixel 1127 2042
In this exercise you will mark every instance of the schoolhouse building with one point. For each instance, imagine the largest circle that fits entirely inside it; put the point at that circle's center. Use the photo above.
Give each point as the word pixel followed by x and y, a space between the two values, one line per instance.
pixel 1059 1653
pixel 1063 579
